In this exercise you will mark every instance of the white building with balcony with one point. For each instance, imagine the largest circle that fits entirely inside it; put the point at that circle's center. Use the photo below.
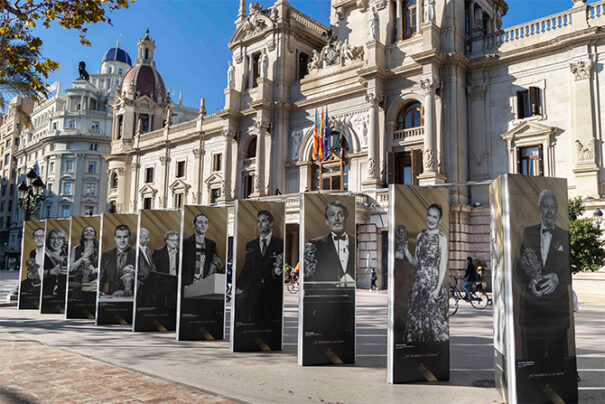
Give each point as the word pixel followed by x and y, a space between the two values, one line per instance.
pixel 416 92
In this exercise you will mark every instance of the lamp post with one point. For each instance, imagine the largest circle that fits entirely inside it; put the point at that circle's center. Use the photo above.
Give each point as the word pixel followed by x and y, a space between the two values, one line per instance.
pixel 31 194
pixel 598 216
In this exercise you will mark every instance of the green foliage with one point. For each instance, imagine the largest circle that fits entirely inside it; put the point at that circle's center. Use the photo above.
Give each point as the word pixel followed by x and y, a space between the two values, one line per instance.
pixel 586 247
pixel 23 69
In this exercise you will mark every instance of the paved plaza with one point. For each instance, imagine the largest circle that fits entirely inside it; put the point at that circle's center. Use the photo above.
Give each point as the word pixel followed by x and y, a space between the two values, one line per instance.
pixel 86 357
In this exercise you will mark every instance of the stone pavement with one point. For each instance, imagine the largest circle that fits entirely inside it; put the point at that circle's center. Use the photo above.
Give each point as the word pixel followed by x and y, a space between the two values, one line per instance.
pixel 36 373
pixel 8 282
pixel 276 378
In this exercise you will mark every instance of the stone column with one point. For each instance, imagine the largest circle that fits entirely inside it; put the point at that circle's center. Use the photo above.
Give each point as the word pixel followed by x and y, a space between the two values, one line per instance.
pixel 134 174
pixel 197 192
pixel 163 191
pixel 229 136
pixel 430 150
pixel 399 20
pixel 586 163
pixel 372 179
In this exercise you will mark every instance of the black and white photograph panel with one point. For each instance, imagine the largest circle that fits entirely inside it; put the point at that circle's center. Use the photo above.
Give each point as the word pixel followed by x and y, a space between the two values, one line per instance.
pixel 157 270
pixel 419 283
pixel 115 297
pixel 542 294
pixel 32 265
pixel 201 313
pixel 54 279
pixel 258 287
pixel 327 319
pixel 83 267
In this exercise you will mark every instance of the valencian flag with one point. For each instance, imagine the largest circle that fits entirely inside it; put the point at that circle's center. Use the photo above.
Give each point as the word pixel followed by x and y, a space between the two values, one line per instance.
pixel 315 138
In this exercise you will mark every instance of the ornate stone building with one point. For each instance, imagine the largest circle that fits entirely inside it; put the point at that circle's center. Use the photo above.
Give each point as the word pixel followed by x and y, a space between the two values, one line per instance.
pixel 415 91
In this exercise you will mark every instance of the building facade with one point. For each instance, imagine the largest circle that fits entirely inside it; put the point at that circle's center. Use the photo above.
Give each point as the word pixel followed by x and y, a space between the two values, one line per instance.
pixel 416 92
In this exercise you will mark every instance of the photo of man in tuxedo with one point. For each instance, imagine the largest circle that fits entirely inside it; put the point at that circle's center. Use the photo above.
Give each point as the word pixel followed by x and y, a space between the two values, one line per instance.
pixel 34 264
pixel 543 275
pixel 199 253
pixel 259 284
pixel 117 266
pixel 331 258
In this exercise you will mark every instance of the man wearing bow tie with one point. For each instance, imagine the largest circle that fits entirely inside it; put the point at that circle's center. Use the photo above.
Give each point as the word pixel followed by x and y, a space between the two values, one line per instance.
pixel 334 253
pixel 543 277
pixel 260 281
pixel 117 265
pixel 198 252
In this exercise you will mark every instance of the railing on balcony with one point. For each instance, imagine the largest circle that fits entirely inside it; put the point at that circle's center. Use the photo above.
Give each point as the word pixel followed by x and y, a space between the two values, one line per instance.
pixel 408 134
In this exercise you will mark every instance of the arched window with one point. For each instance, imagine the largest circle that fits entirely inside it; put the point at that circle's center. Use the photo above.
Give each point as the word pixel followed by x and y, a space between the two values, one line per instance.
pixel 251 151
pixel 409 18
pixel 410 116
pixel 333 172
pixel 114 180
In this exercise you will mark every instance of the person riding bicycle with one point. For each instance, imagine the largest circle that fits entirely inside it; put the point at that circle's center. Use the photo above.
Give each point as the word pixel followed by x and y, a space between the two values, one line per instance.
pixel 471 277
pixel 296 272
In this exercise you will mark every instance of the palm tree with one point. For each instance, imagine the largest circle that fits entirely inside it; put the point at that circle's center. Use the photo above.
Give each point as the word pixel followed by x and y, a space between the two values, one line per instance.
pixel 18 79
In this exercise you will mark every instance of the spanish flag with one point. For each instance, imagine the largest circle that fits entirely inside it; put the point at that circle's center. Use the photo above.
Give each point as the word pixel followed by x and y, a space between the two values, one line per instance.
pixel 315 138
pixel 321 137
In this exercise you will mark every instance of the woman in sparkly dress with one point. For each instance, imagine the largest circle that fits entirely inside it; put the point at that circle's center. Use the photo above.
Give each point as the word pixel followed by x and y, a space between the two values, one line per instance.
pixel 427 307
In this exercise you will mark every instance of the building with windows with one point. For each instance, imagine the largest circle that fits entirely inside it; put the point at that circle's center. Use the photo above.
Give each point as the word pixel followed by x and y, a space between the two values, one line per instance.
pixel 70 136
pixel 412 91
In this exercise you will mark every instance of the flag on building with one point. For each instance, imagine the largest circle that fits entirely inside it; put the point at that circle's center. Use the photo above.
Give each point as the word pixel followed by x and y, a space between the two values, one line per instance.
pixel 326 135
pixel 315 139
pixel 321 137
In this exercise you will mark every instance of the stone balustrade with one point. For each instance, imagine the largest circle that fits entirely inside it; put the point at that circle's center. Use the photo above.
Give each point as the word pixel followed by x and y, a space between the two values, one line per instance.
pixel 403 135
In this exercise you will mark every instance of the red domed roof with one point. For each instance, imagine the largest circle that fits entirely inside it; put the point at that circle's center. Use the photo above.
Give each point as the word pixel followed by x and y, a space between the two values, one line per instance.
pixel 146 80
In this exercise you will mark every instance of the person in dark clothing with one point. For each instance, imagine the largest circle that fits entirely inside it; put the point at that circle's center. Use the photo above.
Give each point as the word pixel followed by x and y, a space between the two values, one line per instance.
pixel 471 277
pixel 373 277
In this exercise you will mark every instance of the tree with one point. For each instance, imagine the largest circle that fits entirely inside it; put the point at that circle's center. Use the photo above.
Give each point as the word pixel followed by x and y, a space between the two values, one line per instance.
pixel 23 70
pixel 586 247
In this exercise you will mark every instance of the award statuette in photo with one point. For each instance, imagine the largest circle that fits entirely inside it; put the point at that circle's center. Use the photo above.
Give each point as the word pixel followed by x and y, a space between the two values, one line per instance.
pixel 203 277
pixel 54 278
pixel 83 267
pixel 418 334
pixel 157 270
pixel 534 339
pixel 326 321
pixel 257 303
pixel 117 264
pixel 32 265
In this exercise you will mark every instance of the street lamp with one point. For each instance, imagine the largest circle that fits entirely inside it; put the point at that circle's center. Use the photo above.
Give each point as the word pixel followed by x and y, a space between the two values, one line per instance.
pixel 31 193
pixel 598 216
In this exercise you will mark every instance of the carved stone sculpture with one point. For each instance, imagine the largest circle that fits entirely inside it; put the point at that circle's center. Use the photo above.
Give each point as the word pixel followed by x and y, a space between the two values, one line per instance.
pixel 429 11
pixel 82 71
pixel 373 24
pixel 231 76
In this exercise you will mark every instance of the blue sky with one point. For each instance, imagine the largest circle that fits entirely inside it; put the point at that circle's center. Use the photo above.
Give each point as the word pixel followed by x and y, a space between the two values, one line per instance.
pixel 191 39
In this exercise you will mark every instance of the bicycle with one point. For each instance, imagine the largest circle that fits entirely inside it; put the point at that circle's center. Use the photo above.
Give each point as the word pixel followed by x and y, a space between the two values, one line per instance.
pixel 293 286
pixel 479 299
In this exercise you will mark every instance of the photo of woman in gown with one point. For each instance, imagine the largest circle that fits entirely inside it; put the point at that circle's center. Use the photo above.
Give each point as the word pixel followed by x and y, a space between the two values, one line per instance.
pixel 55 264
pixel 427 307
pixel 84 265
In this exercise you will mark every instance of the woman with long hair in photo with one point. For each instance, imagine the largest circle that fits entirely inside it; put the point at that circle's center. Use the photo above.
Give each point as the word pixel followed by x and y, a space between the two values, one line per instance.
pixel 427 307
pixel 55 263
pixel 84 264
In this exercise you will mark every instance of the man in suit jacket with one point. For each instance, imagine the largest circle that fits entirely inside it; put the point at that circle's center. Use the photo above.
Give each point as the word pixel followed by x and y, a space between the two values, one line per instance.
pixel 329 258
pixel 166 259
pixel 198 252
pixel 543 277
pixel 117 265
pixel 36 263
pixel 260 282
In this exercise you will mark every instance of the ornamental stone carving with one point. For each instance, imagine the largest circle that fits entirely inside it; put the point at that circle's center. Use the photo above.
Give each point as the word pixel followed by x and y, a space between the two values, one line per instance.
pixel 429 159
pixel 429 10
pixel 585 152
pixel 257 183
pixel 428 85
pixel 335 53
pixel 581 70
pixel 371 167
pixel 225 189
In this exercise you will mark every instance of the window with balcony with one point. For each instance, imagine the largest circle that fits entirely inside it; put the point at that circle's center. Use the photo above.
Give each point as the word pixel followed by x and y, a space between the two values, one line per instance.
pixel 410 116
pixel 333 172
pixel 92 167
pixel 71 124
